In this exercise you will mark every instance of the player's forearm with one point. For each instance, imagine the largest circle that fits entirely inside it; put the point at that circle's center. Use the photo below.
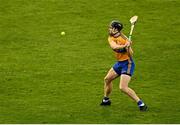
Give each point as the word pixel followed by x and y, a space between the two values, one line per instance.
pixel 130 51
pixel 118 47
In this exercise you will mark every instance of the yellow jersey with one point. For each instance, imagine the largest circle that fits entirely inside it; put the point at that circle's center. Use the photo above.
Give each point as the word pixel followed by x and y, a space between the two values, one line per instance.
pixel 120 56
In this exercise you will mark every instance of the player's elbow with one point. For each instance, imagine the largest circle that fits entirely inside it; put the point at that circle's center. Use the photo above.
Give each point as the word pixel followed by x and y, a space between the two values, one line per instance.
pixel 114 48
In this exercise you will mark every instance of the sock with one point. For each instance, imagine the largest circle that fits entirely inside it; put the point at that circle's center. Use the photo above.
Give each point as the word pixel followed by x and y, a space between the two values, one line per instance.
pixel 140 103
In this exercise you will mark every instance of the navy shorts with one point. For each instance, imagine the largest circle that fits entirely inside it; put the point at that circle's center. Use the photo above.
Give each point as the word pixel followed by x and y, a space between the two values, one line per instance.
pixel 124 67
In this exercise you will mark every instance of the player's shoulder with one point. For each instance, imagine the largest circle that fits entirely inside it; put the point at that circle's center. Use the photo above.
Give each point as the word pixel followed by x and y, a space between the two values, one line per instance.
pixel 110 38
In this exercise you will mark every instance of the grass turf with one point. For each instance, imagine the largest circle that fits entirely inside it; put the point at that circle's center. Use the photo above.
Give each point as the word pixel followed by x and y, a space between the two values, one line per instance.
pixel 49 78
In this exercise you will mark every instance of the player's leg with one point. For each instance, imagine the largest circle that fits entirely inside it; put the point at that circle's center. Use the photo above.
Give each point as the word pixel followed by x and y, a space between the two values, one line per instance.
pixel 111 75
pixel 126 73
pixel 125 79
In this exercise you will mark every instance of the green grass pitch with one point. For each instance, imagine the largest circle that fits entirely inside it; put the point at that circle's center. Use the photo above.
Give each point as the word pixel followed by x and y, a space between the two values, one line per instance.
pixel 49 78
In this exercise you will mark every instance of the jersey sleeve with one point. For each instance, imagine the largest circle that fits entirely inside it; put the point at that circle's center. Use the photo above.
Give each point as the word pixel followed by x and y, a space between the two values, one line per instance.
pixel 109 39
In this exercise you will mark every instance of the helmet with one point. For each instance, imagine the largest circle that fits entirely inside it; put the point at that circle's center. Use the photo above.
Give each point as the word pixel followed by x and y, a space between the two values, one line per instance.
pixel 115 27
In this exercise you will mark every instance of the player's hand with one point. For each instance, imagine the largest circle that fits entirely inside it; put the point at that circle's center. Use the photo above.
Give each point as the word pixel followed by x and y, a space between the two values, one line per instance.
pixel 130 41
pixel 127 44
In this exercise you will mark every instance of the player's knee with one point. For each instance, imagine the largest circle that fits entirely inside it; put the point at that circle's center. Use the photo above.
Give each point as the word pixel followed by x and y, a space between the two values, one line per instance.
pixel 107 80
pixel 123 88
